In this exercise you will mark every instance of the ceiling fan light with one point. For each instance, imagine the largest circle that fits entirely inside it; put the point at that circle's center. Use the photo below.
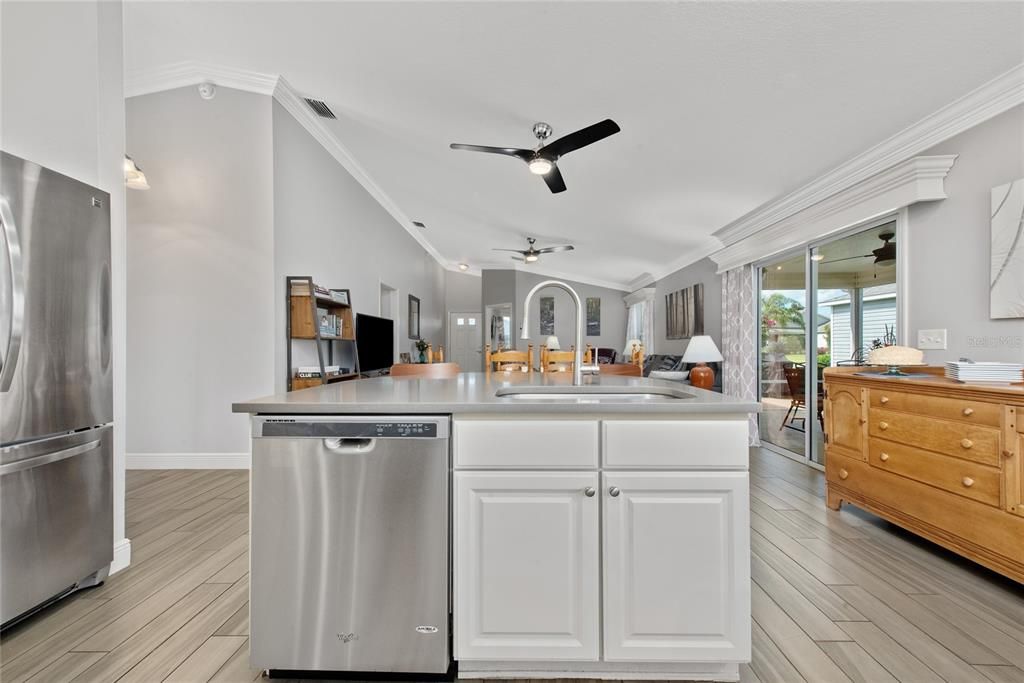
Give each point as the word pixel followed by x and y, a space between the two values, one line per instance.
pixel 540 166
pixel 530 258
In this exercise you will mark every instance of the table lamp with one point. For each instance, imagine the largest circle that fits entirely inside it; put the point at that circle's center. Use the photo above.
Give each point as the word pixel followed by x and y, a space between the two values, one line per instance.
pixel 633 346
pixel 701 350
pixel 552 343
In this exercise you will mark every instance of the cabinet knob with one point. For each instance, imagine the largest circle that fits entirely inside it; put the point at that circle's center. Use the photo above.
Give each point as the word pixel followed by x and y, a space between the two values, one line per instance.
pixel 968 411
pixel 614 492
pixel 968 482
pixel 966 443
pixel 843 474
pixel 883 457
pixel 1007 453
pixel 589 492
pixel 883 400
pixel 883 425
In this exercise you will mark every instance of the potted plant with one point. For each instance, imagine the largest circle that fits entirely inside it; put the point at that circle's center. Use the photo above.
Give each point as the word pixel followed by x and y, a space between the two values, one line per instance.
pixel 421 346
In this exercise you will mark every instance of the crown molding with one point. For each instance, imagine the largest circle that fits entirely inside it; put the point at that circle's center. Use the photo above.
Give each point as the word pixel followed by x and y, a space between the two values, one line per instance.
pixel 183 74
pixel 920 179
pixel 991 99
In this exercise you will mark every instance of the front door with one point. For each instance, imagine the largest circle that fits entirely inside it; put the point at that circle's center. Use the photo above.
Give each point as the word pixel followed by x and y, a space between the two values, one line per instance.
pixel 465 341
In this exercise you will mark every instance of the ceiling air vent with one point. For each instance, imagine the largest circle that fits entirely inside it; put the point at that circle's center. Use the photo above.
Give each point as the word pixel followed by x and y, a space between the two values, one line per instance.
pixel 418 224
pixel 320 108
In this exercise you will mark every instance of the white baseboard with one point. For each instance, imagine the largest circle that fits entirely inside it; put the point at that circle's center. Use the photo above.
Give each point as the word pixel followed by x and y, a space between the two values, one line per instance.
pixel 122 555
pixel 187 461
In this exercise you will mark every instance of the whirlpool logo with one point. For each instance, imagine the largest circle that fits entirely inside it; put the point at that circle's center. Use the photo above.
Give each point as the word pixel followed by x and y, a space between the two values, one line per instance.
pixel 347 637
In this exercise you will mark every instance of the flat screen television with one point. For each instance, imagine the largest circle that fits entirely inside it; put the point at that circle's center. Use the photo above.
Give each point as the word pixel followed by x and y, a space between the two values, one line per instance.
pixel 375 338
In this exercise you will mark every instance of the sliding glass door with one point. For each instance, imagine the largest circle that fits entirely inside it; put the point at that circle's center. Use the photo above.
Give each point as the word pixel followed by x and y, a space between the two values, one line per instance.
pixel 825 305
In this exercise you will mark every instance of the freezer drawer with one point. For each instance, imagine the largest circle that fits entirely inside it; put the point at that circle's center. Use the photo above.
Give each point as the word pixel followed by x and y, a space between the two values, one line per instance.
pixel 350 548
pixel 56 517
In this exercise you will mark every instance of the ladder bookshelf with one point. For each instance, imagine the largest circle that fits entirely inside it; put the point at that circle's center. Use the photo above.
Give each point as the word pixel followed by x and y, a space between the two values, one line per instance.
pixel 303 303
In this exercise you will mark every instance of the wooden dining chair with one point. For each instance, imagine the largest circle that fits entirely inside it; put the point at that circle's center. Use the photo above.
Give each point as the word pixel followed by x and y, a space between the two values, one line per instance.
pixel 557 361
pixel 505 361
pixel 623 369
pixel 425 370
pixel 798 399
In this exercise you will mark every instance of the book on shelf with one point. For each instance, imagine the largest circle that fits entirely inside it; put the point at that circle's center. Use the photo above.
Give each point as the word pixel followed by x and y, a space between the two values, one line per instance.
pixel 313 371
pixel 302 289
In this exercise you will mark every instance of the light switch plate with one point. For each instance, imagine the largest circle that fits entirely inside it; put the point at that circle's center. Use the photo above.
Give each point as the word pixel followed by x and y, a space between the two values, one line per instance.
pixel 931 339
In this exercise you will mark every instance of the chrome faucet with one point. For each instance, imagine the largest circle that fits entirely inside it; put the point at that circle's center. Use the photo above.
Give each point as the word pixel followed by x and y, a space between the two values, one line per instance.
pixel 577 365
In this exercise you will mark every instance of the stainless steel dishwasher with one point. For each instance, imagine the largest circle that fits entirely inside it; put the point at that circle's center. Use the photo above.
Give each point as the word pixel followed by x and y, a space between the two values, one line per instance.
pixel 350 543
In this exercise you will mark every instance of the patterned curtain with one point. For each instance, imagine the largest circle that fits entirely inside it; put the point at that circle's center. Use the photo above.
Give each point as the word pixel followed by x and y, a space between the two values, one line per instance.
pixel 739 338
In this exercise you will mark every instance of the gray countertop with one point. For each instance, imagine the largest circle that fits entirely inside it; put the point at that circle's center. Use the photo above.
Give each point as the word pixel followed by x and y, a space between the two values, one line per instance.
pixel 474 393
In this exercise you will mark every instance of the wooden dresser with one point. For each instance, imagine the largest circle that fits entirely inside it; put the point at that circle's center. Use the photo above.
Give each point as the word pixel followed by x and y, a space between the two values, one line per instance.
pixel 939 458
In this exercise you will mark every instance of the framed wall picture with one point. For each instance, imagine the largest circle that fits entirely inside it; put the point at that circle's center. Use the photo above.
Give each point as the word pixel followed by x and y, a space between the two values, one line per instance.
pixel 1006 282
pixel 684 313
pixel 414 317
pixel 547 315
pixel 593 316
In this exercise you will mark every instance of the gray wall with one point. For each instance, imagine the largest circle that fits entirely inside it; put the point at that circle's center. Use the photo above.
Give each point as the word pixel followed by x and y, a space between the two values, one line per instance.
pixel 328 226
pixel 701 272
pixel 499 287
pixel 200 255
pixel 613 312
pixel 463 292
pixel 949 248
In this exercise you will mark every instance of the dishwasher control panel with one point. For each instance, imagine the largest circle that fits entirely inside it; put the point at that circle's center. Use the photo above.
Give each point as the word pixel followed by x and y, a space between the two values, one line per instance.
pixel 351 429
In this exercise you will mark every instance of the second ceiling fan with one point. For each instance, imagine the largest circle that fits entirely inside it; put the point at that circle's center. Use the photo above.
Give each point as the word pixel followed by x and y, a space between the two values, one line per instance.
pixel 533 254
pixel 543 160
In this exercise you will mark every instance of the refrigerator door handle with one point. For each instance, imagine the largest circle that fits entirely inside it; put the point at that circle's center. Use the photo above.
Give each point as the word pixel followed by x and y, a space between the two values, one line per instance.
pixel 12 247
pixel 63 454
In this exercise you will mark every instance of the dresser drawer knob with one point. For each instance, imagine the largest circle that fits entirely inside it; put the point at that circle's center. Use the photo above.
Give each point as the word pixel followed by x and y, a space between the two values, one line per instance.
pixel 843 474
pixel 883 400
pixel 968 412
pixel 883 457
pixel 1007 454
pixel 966 443
pixel 883 425
pixel 968 482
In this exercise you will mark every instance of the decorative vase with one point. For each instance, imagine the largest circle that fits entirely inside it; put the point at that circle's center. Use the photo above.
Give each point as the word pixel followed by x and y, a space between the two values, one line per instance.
pixel 423 356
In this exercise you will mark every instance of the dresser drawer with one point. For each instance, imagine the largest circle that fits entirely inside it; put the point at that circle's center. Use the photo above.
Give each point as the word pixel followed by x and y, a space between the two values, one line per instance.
pixel 973 442
pixel 535 443
pixel 963 477
pixel 964 410
pixel 676 444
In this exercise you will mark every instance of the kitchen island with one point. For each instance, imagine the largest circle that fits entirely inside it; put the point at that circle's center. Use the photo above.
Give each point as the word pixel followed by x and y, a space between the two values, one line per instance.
pixel 599 535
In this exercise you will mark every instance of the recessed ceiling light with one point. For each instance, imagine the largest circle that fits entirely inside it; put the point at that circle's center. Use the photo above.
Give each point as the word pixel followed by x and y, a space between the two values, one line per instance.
pixel 540 166
pixel 419 225
pixel 778 267
pixel 463 266
pixel 817 257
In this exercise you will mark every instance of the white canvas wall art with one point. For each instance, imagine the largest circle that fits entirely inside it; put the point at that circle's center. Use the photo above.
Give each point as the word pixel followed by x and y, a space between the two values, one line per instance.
pixel 1007 278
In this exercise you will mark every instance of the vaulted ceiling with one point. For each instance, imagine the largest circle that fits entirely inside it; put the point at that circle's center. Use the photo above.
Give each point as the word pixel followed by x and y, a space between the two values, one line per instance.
pixel 723 105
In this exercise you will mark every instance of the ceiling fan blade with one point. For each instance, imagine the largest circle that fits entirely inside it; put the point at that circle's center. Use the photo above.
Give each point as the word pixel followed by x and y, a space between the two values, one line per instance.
pixel 552 250
pixel 523 154
pixel 517 251
pixel 554 180
pixel 581 138
pixel 848 258
pixel 516 258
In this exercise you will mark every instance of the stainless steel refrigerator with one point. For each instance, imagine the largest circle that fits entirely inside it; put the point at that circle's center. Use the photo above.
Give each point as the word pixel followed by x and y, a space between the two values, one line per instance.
pixel 56 407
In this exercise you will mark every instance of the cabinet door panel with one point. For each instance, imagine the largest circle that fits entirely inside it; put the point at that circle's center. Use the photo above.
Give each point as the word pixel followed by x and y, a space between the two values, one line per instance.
pixel 676 567
pixel 526 566
pixel 845 420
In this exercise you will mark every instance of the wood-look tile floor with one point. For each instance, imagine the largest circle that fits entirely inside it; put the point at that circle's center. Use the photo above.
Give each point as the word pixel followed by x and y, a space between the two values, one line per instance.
pixel 836 596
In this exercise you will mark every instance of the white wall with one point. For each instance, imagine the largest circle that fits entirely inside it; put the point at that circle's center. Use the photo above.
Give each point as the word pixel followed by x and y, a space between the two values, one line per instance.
pixel 328 226
pixel 200 255
pixel 62 106
pixel 701 272
pixel 949 247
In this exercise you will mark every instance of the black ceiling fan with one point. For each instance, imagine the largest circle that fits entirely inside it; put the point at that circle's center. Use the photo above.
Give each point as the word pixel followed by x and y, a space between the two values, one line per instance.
pixel 543 160
pixel 533 254
pixel 884 254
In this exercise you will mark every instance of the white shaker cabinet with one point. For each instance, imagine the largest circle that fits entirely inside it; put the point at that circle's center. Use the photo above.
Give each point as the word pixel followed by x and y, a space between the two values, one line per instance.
pixel 527 565
pixel 676 566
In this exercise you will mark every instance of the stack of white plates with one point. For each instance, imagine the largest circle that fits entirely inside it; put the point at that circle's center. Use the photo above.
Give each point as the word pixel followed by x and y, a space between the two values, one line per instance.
pixel 985 372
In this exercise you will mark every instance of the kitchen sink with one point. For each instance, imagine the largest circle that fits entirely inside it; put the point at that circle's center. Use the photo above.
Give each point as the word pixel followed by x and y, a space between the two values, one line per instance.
pixel 592 392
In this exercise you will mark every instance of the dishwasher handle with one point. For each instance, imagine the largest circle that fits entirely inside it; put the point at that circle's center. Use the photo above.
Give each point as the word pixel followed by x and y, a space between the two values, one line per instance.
pixel 350 446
